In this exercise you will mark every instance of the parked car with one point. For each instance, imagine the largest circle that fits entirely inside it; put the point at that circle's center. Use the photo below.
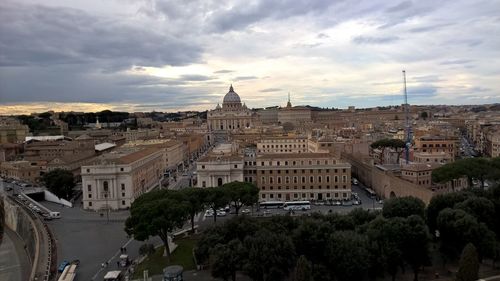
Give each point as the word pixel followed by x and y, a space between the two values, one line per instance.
pixel 221 213
pixel 63 265
pixel 209 213
pixel 245 211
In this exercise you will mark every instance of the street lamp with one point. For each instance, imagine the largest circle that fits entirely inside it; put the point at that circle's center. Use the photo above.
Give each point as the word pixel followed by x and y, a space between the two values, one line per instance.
pixel 105 193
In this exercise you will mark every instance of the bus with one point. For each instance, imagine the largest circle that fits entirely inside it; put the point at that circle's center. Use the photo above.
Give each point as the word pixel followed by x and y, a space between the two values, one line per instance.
pixel 371 193
pixel 297 205
pixel 271 205
pixel 69 273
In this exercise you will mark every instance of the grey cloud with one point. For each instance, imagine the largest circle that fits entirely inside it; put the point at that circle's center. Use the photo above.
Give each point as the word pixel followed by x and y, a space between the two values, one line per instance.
pixel 49 36
pixel 322 35
pixel 222 71
pixel 399 7
pixel 195 77
pixel 432 27
pixel 240 16
pixel 269 90
pixel 240 78
pixel 375 40
pixel 454 62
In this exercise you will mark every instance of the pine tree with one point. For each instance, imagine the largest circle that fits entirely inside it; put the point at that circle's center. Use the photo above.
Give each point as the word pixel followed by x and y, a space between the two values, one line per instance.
pixel 469 264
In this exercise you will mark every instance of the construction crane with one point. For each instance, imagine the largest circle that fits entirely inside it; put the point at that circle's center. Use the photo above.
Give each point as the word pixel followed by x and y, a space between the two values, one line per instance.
pixel 408 125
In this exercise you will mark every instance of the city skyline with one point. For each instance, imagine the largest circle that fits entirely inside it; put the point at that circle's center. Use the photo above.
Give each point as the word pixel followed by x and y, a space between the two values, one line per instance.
pixel 168 56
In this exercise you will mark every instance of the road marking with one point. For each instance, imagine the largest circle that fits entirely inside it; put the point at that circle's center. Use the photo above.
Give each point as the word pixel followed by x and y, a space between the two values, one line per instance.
pixel 110 259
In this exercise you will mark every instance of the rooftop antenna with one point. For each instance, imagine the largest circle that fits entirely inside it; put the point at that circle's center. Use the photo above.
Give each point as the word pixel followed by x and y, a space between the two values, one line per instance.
pixel 407 117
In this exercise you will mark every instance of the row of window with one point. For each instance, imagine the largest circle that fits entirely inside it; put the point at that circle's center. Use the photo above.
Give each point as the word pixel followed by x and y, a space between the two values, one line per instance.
pixel 294 163
pixel 303 179
pixel 437 145
pixel 319 171
pixel 105 187
pixel 303 187
pixel 285 140
pixel 306 195
pixel 90 203
pixel 284 146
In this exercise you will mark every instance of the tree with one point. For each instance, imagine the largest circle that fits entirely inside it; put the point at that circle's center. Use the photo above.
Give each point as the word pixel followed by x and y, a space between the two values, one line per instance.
pixel 348 255
pixel 403 207
pixel 156 213
pixel 472 168
pixel 382 144
pixel 424 115
pixel 60 182
pixel 441 202
pixel 416 244
pixel 303 270
pixel 241 194
pixel 270 256
pixel 227 259
pixel 216 198
pixel 457 228
pixel 480 208
pixel 468 266
pixel 194 198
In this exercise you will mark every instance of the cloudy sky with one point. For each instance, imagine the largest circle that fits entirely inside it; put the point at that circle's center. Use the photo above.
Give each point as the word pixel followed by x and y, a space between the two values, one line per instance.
pixel 144 55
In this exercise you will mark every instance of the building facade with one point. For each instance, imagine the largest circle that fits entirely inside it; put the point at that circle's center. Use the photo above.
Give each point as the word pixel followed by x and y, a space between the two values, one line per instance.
pixel 233 115
pixel 305 176
pixel 116 179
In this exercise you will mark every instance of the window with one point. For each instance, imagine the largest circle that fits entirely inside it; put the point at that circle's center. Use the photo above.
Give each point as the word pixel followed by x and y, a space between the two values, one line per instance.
pixel 327 178
pixel 121 169
pixel 123 186
pixel 303 179
pixel 105 186
pixel 203 166
pixel 235 166
pixel 89 187
pixel 294 179
pixel 123 194
pixel 319 178
pixel 90 204
pixel 203 184
pixel 311 179
pixel 88 170
pixel 263 179
pixel 271 195
pixel 90 195
pixel 279 179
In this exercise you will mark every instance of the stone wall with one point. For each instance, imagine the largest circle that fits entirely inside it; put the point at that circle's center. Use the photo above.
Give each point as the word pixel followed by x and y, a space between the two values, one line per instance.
pixel 385 183
pixel 36 238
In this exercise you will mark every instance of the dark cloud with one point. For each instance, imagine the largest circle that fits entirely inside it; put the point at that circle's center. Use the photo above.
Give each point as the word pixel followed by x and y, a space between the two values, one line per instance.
pixel 222 71
pixel 39 35
pixel 240 16
pixel 375 40
pixel 322 35
pixel 269 90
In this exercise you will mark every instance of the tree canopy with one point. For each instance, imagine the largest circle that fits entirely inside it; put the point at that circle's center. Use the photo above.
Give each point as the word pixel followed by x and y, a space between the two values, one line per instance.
pixel 60 182
pixel 472 168
pixel 240 194
pixel 157 213
pixel 468 267
pixel 403 207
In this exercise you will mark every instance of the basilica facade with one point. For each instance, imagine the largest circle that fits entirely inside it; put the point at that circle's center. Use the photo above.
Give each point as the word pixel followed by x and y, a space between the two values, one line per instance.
pixel 232 116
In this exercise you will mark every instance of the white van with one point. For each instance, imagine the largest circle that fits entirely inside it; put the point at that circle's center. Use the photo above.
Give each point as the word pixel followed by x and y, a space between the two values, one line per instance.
pixel 55 215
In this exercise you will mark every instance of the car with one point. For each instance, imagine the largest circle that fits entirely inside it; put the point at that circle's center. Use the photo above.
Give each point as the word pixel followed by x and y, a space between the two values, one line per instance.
pixel 356 202
pixel 209 213
pixel 337 203
pixel 355 181
pixel 380 201
pixel 245 211
pixel 221 213
pixel 62 266
pixel 185 174
pixel 227 209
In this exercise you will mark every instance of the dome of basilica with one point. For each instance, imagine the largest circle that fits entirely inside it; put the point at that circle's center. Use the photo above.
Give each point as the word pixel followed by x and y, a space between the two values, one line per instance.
pixel 231 96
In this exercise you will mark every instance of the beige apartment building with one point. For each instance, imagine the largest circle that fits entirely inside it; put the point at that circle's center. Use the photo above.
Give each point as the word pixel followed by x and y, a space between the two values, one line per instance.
pixel 305 176
pixel 282 144
pixel 435 149
pixel 12 131
pixel 116 179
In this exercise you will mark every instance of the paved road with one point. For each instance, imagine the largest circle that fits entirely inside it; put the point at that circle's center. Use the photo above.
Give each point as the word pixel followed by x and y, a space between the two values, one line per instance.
pixel 14 264
pixel 88 237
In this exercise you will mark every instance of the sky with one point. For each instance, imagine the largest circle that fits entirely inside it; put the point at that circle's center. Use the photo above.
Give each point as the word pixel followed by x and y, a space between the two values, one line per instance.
pixel 162 55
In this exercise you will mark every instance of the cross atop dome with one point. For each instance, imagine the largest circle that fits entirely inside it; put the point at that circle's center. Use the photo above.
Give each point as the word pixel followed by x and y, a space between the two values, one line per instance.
pixel 231 88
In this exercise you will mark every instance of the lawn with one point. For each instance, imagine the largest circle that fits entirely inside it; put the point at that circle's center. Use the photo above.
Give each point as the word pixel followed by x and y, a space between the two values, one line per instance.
pixel 182 255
